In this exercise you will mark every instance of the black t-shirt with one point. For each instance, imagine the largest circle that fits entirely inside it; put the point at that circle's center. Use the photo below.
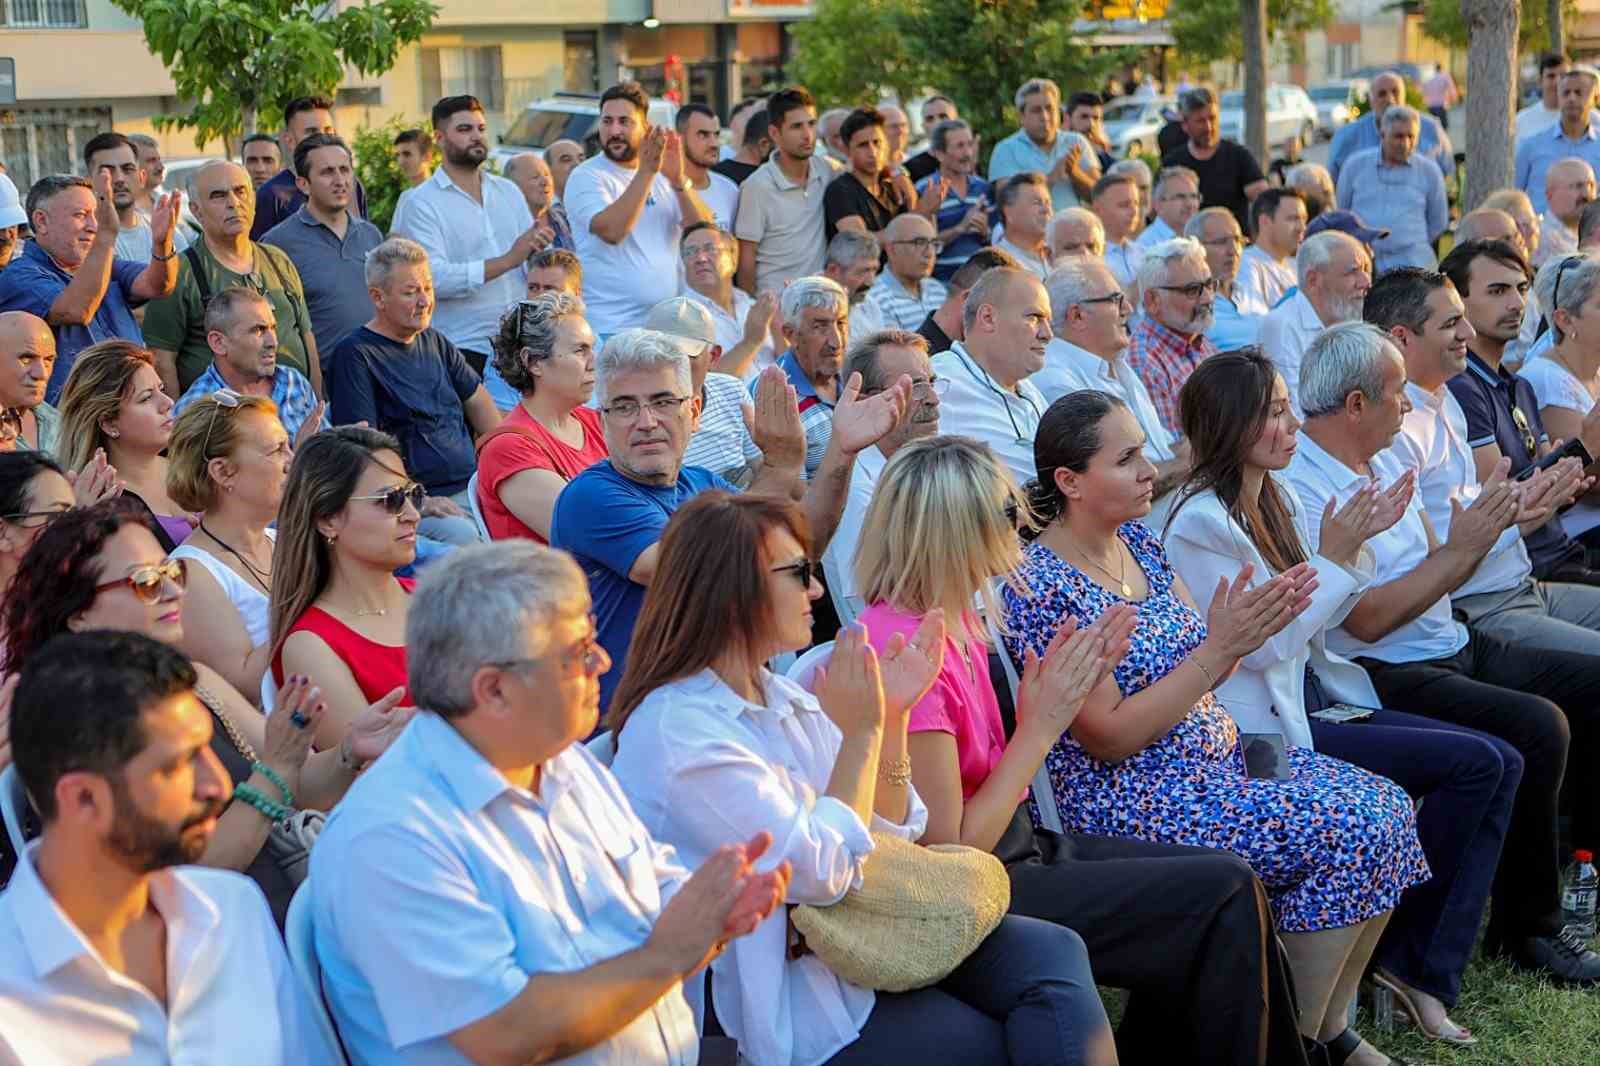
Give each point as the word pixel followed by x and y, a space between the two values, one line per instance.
pixel 845 196
pixel 1170 137
pixel 734 170
pixel 920 166
pixel 938 340
pixel 1223 177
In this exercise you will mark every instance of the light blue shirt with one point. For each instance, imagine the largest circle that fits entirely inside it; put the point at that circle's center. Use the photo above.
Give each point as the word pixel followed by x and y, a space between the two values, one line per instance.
pixel 1236 322
pixel 1407 199
pixel 291 394
pixel 1432 143
pixel 1017 153
pixel 1536 153
pixel 439 889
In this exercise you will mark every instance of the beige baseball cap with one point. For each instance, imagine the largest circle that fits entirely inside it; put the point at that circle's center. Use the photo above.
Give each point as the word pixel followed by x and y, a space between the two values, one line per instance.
pixel 682 317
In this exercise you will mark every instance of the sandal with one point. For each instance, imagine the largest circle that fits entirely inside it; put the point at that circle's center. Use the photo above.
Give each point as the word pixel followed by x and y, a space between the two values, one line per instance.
pixel 1341 1047
pixel 1448 1033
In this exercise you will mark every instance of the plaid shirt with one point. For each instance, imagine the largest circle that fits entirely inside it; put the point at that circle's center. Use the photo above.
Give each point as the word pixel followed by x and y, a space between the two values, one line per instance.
pixel 291 391
pixel 1164 359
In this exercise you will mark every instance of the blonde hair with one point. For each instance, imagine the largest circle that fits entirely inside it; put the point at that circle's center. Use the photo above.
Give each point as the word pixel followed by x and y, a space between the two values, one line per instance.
pixel 205 431
pixel 939 529
pixel 93 393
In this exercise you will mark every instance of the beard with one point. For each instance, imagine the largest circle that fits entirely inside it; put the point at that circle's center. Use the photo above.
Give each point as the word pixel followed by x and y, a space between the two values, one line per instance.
pixel 145 845
pixel 469 156
pixel 1347 308
pixel 620 151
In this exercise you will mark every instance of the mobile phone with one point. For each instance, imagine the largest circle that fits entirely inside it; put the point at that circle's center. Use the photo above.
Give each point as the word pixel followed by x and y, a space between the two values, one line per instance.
pixel 1342 712
pixel 1265 756
pixel 1571 449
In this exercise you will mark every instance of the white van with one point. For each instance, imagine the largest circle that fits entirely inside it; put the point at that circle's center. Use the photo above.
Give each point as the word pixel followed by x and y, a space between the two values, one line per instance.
pixel 566 116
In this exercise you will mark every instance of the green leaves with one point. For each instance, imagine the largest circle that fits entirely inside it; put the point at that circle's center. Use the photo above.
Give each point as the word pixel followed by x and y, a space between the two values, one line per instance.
pixel 1207 31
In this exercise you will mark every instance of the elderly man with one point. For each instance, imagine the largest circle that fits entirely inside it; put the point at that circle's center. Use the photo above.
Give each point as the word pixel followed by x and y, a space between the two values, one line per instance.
pixel 944 326
pixel 1116 205
pixel 963 215
pixel 399 375
pixel 1088 351
pixel 1236 312
pixel 1075 232
pixel 113 946
pixel 880 359
pixel 1266 271
pixel 1041 146
pixel 1025 213
pixel 1311 181
pixel 531 175
pixel 700 132
pixel 829 136
pixel 1393 188
pixel 1489 224
pixel 1169 339
pixel 1388 89
pixel 905 293
pixel 721 443
pixel 1229 175
pixel 742 324
pixel 1335 274
pixel 117 156
pixel 610 517
pixel 555 270
pixel 69 275
pixel 852 262
pixel 781 216
pixel 1569 186
pixel 1006 325
pixel 1576 136
pixel 512 931
pixel 563 157
pixel 1177 198
pixel 27 354
pixel 815 317
pixel 1402 631
pixel 1515 203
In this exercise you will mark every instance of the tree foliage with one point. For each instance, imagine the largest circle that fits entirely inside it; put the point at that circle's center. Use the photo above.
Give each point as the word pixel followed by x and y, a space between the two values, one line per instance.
pixel 852 50
pixel 1444 23
pixel 1208 31
pixel 378 170
pixel 233 59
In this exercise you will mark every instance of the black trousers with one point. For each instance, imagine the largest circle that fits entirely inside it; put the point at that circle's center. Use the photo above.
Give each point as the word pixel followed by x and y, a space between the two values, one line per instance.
pixel 1541 702
pixel 1187 931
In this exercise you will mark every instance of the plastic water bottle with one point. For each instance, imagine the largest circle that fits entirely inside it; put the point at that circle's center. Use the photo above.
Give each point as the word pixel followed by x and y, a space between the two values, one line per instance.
pixel 1579 884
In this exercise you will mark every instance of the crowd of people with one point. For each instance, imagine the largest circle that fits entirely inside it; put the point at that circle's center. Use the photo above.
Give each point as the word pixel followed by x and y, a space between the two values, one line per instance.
pixel 1198 544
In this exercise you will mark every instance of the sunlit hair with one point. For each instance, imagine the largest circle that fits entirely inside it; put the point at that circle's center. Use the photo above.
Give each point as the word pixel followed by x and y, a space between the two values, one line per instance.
pixel 940 527
pixel 101 379
pixel 711 593
pixel 205 431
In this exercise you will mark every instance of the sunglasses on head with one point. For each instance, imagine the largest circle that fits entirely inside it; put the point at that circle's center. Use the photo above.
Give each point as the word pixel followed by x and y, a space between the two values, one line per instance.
pixel 223 398
pixel 394 500
pixel 147 582
pixel 803 571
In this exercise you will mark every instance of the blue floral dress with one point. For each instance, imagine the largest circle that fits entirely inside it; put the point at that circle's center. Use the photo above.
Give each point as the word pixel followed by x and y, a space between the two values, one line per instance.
pixel 1333 844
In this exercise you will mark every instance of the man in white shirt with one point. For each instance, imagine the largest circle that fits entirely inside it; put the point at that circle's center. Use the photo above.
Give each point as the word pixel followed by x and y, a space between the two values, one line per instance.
pixel 1545 111
pixel 1025 212
pixel 781 218
pixel 905 292
pixel 628 207
pixel 1569 187
pixel 1075 231
pixel 1116 204
pixel 743 325
pixel 1402 632
pixel 1177 198
pixel 1335 274
pixel 1236 314
pixel 527 915
pixel 700 131
pixel 1266 272
pixel 1007 325
pixel 476 228
pixel 881 360
pixel 112 949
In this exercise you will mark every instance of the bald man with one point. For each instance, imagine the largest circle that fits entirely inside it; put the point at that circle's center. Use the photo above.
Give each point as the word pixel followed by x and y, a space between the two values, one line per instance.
pixel 561 157
pixel 27 354
pixel 1489 224
pixel 1568 187
pixel 1389 89
pixel 906 291
pixel 529 172
pixel 225 256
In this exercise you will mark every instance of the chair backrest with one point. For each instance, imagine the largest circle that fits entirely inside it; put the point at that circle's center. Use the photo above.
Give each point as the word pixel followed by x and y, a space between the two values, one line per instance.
pixel 804 669
pixel 1043 792
pixel 476 508
pixel 299 937
pixel 13 805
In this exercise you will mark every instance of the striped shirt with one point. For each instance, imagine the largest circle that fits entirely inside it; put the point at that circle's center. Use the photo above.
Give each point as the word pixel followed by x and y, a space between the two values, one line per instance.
pixel 722 444
pixel 952 209
pixel 898 307
pixel 816 414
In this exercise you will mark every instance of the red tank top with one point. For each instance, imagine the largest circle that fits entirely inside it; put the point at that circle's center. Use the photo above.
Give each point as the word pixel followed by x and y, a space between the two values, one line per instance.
pixel 377 668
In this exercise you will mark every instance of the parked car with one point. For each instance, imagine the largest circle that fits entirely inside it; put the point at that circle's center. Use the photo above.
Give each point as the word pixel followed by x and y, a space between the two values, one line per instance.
pixel 1336 103
pixel 566 116
pixel 1290 113
pixel 1131 124
pixel 1409 71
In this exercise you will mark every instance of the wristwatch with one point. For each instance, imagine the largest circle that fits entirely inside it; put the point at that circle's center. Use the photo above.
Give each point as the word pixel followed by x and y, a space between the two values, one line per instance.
pixel 686 184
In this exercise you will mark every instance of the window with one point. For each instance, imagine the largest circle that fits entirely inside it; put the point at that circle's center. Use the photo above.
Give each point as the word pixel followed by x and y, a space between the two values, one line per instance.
pixel 463 72
pixel 580 72
pixel 42 14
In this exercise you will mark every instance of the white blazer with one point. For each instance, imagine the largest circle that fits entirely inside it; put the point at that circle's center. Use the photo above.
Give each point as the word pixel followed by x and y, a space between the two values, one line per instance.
pixel 1266 694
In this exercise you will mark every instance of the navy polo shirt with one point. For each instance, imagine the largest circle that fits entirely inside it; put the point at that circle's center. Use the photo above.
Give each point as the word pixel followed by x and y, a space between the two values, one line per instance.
pixel 33 281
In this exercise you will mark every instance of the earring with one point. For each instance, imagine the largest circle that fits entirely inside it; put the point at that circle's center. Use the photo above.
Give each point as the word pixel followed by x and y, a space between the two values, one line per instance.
pixel 113 434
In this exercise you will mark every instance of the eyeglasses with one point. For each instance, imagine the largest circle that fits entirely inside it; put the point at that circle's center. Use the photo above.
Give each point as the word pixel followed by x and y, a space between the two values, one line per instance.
pixel 1194 290
pixel 1235 239
pixel 691 252
pixel 919 387
pixel 1117 297
pixel 147 582
pixel 10 425
pixel 585 654
pixel 48 516
pixel 803 571
pixel 922 244
pixel 1525 429
pixel 661 407
pixel 394 500
pixel 1555 294
pixel 223 398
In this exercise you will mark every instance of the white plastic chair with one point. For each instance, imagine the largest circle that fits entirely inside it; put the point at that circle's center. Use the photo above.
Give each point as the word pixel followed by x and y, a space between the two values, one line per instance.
pixel 13 805
pixel 1043 792
pixel 803 671
pixel 604 747
pixel 299 937
pixel 477 510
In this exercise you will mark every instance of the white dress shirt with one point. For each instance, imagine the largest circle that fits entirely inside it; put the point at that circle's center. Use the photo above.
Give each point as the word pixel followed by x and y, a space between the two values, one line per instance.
pixel 231 996
pixel 976 406
pixel 704 768
pixel 1286 333
pixel 1433 442
pixel 1555 386
pixel 459 233
pixel 1263 277
pixel 622 281
pixel 1123 261
pixel 439 889
pixel 1434 634
pixel 839 557
pixel 730 328
pixel 1266 694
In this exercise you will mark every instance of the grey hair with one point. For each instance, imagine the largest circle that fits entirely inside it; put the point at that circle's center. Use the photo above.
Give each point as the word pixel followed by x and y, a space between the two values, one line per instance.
pixel 640 349
pixel 530 326
pixel 1166 177
pixel 382 260
pixel 939 136
pixel 1506 199
pixel 1138 168
pixel 1317 250
pixel 49 187
pixel 813 291
pixel 1196 226
pixel 1156 270
pixel 1195 99
pixel 144 140
pixel 1578 283
pixel 1076 214
pixel 479 607
pixel 1072 282
pixel 1036 85
pixel 849 247
pixel 1343 359
pixel 1400 113
pixel 862 358
pixel 1307 175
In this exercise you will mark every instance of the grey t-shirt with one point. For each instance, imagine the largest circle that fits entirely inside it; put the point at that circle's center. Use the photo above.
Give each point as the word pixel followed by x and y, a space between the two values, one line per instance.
pixel 333 272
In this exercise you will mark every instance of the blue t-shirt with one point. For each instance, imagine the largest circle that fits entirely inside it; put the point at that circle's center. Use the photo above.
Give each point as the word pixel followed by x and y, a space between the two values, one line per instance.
pixel 33 281
pixel 414 391
pixel 607 520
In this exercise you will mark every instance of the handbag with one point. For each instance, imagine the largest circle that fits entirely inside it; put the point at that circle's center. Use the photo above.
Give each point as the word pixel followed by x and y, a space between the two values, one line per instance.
pixel 920 911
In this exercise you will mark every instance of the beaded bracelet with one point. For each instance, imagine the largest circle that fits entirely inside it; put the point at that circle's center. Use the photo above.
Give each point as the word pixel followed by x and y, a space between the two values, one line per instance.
pixel 274 812
pixel 277 779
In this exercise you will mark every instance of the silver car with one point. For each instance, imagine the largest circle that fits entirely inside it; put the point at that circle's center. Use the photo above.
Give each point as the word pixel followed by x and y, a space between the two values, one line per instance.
pixel 1290 113
pixel 1131 124
pixel 1336 103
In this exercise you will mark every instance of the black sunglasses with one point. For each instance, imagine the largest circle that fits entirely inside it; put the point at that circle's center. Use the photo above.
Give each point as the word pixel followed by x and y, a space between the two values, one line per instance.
pixel 803 571
pixel 394 500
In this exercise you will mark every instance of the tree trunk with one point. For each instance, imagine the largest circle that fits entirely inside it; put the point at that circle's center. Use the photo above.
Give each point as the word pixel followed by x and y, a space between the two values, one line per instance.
pixel 1253 28
pixel 1492 59
pixel 1558 31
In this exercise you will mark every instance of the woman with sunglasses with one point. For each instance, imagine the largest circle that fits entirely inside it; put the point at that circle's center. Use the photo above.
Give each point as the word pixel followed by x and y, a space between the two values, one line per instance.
pixel 348 521
pixel 711 745
pixel 101 567
pixel 227 461
pixel 1566 376
pixel 113 401
pixel 545 351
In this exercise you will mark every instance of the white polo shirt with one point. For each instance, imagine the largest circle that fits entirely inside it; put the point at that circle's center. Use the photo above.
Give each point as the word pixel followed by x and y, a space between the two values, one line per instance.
pixel 976 406
pixel 839 557
pixel 1265 277
pixel 784 219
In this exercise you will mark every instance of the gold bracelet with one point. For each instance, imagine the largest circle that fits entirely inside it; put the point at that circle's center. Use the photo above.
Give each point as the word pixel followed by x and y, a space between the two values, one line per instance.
pixel 897 772
pixel 1209 675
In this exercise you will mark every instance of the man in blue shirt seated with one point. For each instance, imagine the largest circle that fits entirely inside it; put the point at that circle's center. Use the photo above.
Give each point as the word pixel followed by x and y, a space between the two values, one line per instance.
pixel 610 517
pixel 398 375
pixel 484 893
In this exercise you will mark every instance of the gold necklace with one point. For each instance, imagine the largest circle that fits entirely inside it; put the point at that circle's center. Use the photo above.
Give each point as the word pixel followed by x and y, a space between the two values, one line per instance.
pixel 1120 577
pixel 371 612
